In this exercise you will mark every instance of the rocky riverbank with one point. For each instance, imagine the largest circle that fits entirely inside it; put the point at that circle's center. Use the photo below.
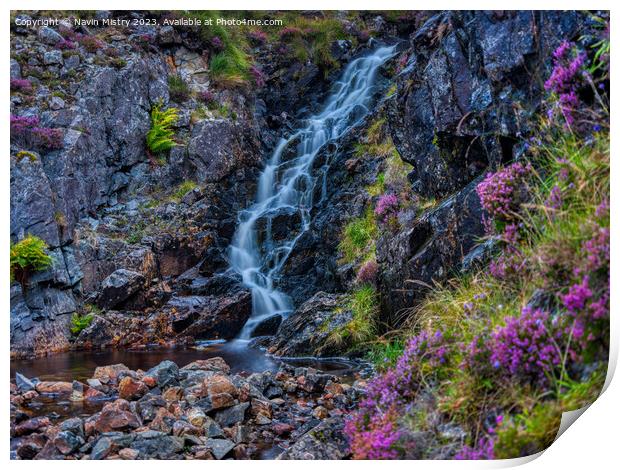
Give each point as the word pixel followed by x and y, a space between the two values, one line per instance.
pixel 199 411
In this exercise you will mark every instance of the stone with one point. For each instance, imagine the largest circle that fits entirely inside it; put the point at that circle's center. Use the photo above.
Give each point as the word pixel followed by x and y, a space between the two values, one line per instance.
pixel 307 330
pixel 326 441
pixel 67 442
pixel 23 383
pixel 52 58
pixel 268 326
pixel 173 394
pixel 116 416
pixel 220 447
pixel 128 454
pixel 131 389
pixel 55 388
pixel 231 416
pixel 56 103
pixel 101 449
pixel 109 372
pixel 218 384
pixel 166 373
pixel 196 417
pixel 215 364
pixel 157 445
pixel 118 287
pixel 212 429
pixel 49 36
pixel 73 425
pixel 31 425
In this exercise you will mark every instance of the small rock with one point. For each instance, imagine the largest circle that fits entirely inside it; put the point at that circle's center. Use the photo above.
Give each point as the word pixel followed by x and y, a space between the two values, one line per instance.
pixel 220 447
pixel 67 442
pixel 196 416
pixel 131 389
pixel 231 416
pixel 49 36
pixel 23 383
pixel 52 58
pixel 54 387
pixel 166 374
pixel 101 449
pixel 128 454
pixel 57 103
pixel 109 372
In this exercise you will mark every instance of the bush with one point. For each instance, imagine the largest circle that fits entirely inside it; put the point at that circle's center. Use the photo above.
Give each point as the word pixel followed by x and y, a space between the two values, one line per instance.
pixel 28 256
pixel 358 235
pixel 159 137
pixel 178 89
pixel 79 322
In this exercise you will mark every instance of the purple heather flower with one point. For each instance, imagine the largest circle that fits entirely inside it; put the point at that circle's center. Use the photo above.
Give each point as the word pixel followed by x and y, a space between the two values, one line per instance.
pixel 498 190
pixel 387 206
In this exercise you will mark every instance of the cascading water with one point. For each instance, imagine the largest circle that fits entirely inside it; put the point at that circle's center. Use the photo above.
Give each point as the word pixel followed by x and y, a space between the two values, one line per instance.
pixel 287 187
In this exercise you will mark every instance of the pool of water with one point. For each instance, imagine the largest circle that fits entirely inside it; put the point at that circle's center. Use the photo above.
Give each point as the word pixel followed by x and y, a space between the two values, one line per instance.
pixel 80 365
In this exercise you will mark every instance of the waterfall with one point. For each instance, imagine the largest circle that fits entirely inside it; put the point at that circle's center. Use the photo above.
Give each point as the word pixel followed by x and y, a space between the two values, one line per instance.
pixel 286 187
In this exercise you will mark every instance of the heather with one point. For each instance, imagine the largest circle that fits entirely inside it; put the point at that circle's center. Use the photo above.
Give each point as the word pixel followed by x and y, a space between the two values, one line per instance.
pixel 499 353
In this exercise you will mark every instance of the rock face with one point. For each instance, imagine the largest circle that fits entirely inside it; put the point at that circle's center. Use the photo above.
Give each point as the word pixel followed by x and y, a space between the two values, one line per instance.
pixel 306 332
pixel 454 114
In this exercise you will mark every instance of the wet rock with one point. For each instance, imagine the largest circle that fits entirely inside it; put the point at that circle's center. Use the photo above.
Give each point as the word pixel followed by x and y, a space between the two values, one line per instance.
pixel 67 442
pixel 116 416
pixel 220 447
pixel 214 364
pixel 23 383
pixel 32 425
pixel 73 425
pixel 326 441
pixel 231 416
pixel 54 387
pixel 211 317
pixel 131 389
pixel 111 372
pixel 306 331
pixel 267 327
pixel 101 449
pixel 156 445
pixel 128 454
pixel 166 374
pixel 118 287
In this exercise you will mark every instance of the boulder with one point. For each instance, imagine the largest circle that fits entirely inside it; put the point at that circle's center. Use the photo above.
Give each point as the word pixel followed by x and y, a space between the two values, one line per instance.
pixel 131 389
pixel 326 441
pixel 166 374
pixel 118 287
pixel 306 331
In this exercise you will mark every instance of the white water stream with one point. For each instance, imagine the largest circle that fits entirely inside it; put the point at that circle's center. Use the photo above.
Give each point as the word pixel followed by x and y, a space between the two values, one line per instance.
pixel 286 186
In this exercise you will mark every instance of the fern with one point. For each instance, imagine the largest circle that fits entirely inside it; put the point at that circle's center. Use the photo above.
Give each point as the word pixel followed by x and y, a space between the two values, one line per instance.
pixel 27 256
pixel 79 322
pixel 159 137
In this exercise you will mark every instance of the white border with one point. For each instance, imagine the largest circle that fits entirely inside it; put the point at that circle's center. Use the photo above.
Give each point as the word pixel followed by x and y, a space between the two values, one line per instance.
pixel 591 443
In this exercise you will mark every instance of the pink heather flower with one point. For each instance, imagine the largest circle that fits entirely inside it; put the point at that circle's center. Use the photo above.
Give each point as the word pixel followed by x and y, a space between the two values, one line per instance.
pixel 21 84
pixel 20 124
pixel 602 210
pixel 387 206
pixel 258 37
pixel 484 450
pixel 554 200
pixel 524 348
pixel 258 76
pixel 564 81
pixel 217 43
pixel 497 191
pixel 597 249
pixel 289 32
pixel 577 296
pixel 367 273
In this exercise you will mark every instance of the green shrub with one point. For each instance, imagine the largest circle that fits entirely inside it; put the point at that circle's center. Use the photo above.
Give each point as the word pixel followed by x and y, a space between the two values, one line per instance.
pixel 178 89
pixel 358 237
pixel 159 137
pixel 184 188
pixel 79 322
pixel 27 256
pixel 364 305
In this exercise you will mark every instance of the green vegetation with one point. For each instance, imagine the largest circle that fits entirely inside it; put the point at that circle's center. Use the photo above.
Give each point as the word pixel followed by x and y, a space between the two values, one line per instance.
pixel 79 322
pixel 466 308
pixel 159 137
pixel 183 188
pixel 363 303
pixel 25 154
pixel 359 237
pixel 178 89
pixel 28 256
